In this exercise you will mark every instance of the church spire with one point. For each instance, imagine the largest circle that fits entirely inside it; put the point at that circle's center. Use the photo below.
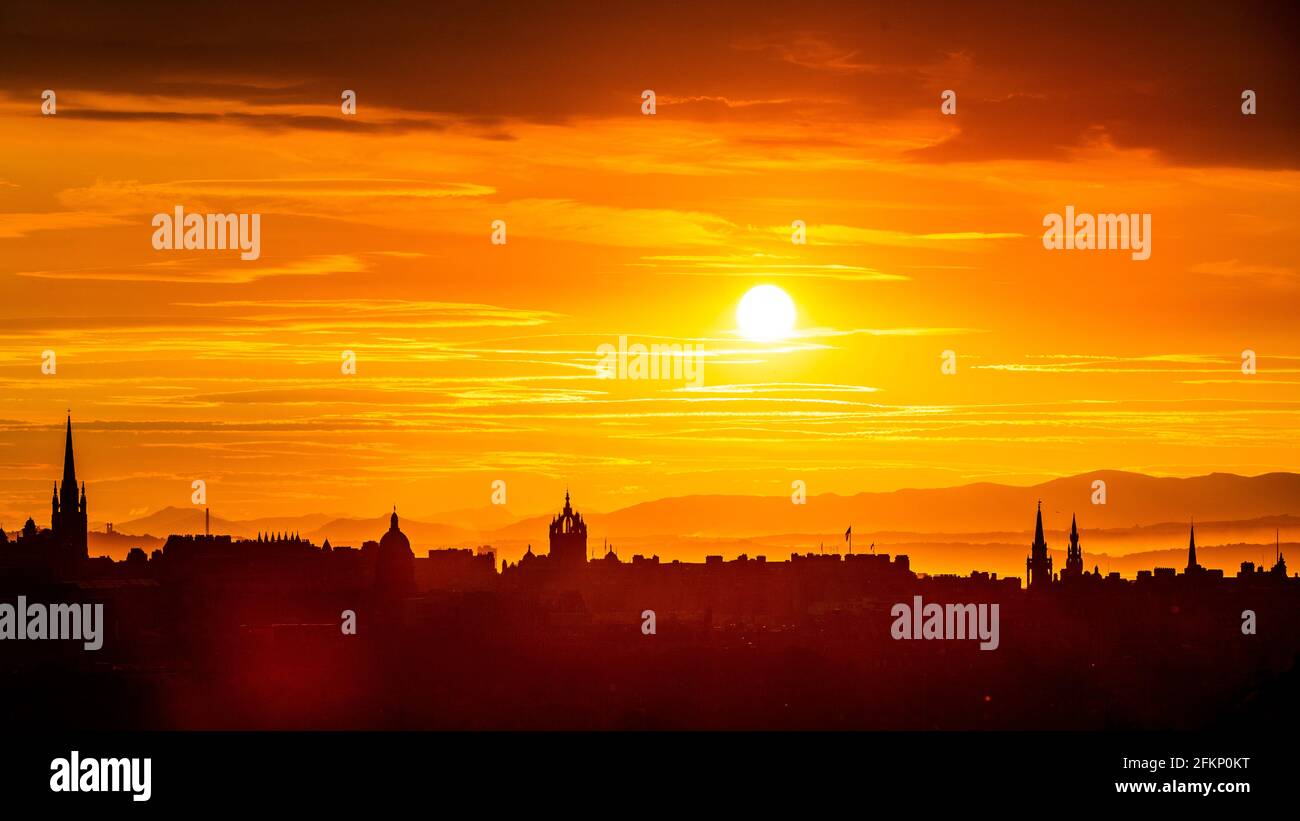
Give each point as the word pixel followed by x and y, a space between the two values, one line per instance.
pixel 1191 548
pixel 1073 553
pixel 1038 567
pixel 68 496
pixel 68 488
pixel 69 468
pixel 69 514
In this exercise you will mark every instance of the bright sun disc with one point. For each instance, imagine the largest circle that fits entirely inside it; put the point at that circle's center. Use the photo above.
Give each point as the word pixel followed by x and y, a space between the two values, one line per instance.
pixel 765 313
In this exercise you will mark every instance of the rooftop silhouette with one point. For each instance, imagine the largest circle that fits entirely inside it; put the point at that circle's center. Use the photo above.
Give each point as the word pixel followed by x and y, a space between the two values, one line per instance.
pixel 440 634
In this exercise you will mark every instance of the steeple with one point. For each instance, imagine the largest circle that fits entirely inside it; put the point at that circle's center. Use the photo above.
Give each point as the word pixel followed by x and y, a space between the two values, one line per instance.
pixel 1191 549
pixel 68 508
pixel 392 521
pixel 1038 567
pixel 1039 539
pixel 1074 553
pixel 69 468
pixel 68 496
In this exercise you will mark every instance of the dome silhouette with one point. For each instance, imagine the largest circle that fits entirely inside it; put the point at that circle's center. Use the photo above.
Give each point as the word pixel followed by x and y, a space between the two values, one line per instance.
pixel 395 566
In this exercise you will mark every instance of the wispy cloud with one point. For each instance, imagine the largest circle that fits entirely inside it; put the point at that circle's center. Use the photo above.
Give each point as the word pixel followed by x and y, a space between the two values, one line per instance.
pixel 200 269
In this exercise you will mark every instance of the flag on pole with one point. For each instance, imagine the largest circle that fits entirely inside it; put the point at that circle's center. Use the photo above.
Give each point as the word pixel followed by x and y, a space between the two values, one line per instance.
pixel 848 533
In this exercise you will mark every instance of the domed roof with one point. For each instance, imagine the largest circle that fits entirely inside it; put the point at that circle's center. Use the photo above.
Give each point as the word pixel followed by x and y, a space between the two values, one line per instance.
pixel 395 541
pixel 395 563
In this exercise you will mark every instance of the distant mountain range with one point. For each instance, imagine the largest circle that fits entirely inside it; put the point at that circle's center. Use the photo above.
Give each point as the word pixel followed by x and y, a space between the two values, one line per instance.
pixel 1141 513
pixel 1132 500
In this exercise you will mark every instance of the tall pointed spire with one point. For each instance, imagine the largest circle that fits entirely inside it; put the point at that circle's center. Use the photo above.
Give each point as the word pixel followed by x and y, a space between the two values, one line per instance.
pixel 69 498
pixel 69 516
pixel 1191 548
pixel 69 468
pixel 1073 553
pixel 1038 567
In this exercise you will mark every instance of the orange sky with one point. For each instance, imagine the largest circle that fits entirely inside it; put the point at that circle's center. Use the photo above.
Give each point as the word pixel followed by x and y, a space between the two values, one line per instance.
pixel 477 362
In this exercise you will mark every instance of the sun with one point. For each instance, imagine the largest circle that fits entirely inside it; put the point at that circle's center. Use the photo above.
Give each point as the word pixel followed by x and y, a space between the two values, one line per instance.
pixel 765 314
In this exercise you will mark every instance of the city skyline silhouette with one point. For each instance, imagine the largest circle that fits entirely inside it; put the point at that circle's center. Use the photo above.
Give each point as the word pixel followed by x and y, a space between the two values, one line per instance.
pixel 771 403
pixel 248 609
pixel 1129 545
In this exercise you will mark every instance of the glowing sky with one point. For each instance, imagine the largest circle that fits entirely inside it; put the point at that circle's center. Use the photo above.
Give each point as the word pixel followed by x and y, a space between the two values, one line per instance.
pixel 477 362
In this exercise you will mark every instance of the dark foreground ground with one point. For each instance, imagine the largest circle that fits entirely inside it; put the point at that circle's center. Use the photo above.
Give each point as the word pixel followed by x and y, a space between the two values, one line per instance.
pixel 1147 660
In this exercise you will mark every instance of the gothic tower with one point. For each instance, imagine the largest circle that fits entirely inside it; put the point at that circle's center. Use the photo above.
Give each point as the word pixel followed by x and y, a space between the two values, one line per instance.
pixel 1039 565
pixel 568 537
pixel 68 515
pixel 1073 554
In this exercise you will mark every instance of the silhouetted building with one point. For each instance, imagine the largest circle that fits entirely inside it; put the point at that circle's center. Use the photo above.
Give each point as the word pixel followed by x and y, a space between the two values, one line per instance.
pixel 456 569
pixel 568 537
pixel 1073 555
pixel 68 510
pixel 1038 567
pixel 395 563
pixel 1193 567
pixel 61 551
